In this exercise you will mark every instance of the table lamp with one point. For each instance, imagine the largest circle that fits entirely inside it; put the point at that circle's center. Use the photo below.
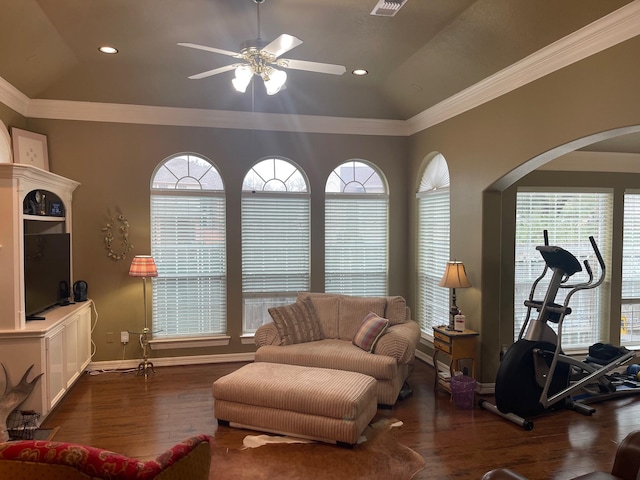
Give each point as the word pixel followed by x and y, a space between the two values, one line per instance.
pixel 455 276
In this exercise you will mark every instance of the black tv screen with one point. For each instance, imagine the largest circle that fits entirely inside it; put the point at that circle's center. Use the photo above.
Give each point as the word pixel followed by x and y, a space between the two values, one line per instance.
pixel 47 263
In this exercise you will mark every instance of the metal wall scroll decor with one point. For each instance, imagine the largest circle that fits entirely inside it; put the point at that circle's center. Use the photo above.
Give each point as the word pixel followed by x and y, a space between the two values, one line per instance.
pixel 116 239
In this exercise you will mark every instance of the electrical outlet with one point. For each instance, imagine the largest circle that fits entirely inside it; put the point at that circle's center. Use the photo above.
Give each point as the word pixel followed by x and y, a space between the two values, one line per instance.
pixel 124 337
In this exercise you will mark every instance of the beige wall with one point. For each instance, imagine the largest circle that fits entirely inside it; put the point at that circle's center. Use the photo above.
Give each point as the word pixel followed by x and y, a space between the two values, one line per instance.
pixel 490 147
pixel 485 148
pixel 114 164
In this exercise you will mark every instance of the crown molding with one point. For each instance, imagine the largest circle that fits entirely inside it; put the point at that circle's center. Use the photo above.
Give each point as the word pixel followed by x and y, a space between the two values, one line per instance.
pixel 194 117
pixel 610 30
pixel 13 98
pixel 591 161
pixel 615 28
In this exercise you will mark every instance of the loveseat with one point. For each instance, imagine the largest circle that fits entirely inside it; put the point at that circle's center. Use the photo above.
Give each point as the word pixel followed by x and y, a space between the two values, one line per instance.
pixel 370 335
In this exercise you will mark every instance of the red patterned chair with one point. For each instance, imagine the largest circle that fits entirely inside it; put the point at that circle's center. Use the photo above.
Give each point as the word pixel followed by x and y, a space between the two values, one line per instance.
pixel 39 459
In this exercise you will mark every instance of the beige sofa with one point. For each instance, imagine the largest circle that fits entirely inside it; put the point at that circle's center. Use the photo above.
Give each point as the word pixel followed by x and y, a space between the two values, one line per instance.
pixel 340 318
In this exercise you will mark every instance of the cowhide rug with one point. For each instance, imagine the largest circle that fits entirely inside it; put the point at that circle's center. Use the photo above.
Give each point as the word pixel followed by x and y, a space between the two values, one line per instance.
pixel 380 456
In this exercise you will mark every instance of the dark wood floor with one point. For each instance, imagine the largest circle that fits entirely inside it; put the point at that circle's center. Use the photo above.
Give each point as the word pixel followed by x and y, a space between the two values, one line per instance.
pixel 142 418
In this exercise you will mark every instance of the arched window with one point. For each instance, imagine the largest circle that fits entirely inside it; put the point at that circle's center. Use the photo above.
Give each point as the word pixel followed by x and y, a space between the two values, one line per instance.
pixel 356 230
pixel 188 243
pixel 432 301
pixel 275 239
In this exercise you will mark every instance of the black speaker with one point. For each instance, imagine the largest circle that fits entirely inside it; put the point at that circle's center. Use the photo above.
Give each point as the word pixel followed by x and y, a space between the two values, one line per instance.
pixel 80 291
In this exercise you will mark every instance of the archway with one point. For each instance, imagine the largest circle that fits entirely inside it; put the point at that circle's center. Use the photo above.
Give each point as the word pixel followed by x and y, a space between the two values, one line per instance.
pixel 498 238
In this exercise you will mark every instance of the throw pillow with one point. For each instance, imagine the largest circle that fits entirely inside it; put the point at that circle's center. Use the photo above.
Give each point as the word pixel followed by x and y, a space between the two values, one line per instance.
pixel 296 323
pixel 371 329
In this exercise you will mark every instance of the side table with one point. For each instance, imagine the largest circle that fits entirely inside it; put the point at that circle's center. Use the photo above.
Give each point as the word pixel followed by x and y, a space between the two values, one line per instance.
pixel 460 347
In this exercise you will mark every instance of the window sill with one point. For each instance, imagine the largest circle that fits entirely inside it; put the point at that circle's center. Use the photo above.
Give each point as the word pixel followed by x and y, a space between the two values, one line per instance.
pixel 191 342
pixel 247 339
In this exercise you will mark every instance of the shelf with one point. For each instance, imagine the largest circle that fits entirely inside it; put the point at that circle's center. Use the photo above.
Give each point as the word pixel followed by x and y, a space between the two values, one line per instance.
pixel 44 218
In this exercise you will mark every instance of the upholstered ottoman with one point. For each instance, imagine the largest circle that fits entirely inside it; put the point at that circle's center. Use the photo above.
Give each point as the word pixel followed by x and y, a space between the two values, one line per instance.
pixel 332 406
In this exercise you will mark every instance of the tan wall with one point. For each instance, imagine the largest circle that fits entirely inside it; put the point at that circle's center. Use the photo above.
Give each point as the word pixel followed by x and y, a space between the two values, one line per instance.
pixel 484 145
pixel 114 164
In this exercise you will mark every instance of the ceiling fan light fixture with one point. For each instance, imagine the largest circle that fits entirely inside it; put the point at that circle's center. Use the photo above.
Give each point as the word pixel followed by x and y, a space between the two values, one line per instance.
pixel 360 72
pixel 244 73
pixel 274 81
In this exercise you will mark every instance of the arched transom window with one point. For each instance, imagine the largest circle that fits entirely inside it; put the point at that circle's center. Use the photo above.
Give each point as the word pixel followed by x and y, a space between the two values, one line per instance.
pixel 188 243
pixel 275 238
pixel 356 230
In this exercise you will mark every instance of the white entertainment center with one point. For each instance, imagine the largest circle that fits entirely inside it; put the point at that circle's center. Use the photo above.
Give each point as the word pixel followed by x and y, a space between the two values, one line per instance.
pixel 59 345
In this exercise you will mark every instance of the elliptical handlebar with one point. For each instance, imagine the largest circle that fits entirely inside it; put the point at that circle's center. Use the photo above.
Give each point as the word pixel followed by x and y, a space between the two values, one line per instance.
pixel 603 268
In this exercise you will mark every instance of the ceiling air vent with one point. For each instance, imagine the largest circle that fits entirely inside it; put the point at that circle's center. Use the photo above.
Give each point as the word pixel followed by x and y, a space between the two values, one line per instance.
pixel 388 8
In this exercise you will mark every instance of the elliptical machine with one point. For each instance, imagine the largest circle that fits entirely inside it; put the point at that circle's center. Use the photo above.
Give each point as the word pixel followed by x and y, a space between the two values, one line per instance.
pixel 534 374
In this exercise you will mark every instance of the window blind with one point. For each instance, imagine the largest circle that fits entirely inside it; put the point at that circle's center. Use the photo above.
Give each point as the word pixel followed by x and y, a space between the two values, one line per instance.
pixel 570 217
pixel 275 252
pixel 432 301
pixel 630 318
pixel 188 235
pixel 356 246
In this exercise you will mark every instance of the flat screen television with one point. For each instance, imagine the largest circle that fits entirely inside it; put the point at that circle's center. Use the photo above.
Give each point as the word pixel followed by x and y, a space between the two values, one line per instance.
pixel 47 264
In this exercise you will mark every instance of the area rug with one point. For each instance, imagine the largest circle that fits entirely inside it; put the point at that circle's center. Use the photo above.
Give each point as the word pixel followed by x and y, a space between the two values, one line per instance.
pixel 380 456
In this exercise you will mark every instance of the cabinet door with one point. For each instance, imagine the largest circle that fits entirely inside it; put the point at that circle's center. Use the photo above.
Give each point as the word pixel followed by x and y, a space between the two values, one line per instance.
pixel 71 349
pixel 56 384
pixel 84 338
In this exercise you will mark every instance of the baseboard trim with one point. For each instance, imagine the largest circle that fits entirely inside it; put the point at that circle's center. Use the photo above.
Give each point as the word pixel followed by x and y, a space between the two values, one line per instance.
pixel 172 361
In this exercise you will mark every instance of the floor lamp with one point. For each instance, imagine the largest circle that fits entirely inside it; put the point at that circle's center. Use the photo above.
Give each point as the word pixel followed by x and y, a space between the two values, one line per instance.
pixel 144 266
pixel 455 276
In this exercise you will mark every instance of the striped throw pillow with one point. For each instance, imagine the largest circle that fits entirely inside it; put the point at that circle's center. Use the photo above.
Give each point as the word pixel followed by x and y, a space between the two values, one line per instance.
pixel 371 329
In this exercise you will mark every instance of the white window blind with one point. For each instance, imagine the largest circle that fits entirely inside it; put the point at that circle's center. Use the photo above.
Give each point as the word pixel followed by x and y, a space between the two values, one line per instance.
pixel 570 217
pixel 432 301
pixel 356 231
pixel 356 244
pixel 188 243
pixel 630 321
pixel 275 239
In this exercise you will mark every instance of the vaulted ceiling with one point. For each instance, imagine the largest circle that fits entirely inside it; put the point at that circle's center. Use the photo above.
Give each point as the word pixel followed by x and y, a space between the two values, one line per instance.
pixel 427 52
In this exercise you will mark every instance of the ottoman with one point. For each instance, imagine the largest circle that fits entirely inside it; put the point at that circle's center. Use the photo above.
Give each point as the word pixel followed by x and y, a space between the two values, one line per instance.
pixel 332 406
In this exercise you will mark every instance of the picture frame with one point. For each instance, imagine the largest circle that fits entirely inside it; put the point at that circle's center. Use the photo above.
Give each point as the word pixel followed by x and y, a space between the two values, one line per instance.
pixel 30 148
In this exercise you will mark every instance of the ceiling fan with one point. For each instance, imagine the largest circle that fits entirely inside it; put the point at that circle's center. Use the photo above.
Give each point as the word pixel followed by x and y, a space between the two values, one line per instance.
pixel 261 58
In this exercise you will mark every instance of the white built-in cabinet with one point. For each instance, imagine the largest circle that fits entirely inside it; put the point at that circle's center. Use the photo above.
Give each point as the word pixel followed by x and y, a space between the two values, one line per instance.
pixel 60 345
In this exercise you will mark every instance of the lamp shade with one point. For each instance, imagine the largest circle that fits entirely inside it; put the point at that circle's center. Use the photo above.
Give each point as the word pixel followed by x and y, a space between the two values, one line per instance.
pixel 455 276
pixel 143 266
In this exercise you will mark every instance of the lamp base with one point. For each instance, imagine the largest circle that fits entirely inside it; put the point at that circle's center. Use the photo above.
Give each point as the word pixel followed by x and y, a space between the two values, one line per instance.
pixel 145 367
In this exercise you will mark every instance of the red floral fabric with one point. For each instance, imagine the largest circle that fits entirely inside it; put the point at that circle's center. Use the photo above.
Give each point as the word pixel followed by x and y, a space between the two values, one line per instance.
pixel 96 462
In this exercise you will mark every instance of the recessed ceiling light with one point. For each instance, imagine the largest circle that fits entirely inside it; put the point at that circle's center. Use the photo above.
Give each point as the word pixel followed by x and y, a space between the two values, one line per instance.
pixel 109 50
pixel 360 71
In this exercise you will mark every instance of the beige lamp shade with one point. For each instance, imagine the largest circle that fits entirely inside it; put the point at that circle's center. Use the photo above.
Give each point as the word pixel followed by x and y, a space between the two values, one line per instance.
pixel 455 276
pixel 143 266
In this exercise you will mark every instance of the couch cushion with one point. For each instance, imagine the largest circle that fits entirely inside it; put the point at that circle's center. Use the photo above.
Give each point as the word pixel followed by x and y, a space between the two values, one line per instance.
pixel 396 310
pixel 352 310
pixel 371 328
pixel 326 307
pixel 330 353
pixel 296 323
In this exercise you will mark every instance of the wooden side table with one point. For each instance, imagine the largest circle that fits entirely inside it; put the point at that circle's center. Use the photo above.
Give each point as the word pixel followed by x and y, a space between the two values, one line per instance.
pixel 460 347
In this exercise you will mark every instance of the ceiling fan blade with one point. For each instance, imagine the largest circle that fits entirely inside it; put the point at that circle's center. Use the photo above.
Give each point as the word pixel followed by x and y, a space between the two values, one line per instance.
pixel 215 71
pixel 282 44
pixel 312 66
pixel 211 49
